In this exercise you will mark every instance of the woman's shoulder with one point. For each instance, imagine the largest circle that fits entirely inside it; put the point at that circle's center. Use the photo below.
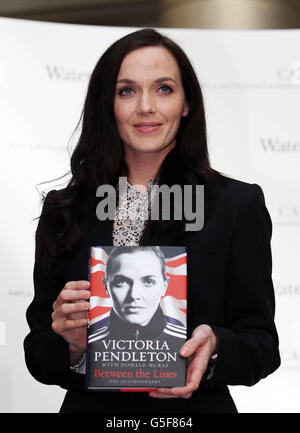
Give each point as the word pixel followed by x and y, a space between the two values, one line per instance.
pixel 238 190
pixel 55 194
pixel 56 199
pixel 242 199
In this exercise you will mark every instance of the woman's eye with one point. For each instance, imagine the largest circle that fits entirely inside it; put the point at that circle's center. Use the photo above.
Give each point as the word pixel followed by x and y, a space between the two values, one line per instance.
pixel 120 282
pixel 149 282
pixel 125 91
pixel 165 89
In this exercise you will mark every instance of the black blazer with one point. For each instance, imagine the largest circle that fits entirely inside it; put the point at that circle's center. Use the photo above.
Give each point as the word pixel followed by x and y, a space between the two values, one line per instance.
pixel 229 288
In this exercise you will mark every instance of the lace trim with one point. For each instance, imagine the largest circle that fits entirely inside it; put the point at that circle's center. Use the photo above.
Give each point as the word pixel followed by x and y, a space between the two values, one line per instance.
pixel 131 216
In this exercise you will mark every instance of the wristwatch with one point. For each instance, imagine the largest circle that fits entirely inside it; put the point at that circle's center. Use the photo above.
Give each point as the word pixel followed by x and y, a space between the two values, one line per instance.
pixel 80 365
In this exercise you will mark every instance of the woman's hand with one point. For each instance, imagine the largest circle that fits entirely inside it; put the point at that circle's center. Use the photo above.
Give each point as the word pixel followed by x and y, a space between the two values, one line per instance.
pixel 198 351
pixel 69 317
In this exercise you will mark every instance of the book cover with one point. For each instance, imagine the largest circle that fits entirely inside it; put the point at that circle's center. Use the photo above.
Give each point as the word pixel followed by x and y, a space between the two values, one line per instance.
pixel 137 317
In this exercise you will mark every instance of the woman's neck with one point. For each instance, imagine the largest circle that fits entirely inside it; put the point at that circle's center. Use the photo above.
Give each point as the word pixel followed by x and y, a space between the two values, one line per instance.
pixel 143 166
pixel 141 170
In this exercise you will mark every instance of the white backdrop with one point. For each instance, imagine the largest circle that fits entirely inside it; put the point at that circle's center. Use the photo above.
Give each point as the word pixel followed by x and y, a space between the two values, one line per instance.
pixel 251 85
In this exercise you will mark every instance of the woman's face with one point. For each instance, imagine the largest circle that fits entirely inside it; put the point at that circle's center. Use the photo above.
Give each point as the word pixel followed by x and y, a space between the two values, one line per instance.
pixel 136 284
pixel 149 100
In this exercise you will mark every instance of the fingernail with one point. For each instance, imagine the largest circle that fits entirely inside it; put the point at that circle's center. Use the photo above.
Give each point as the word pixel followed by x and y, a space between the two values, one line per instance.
pixel 184 351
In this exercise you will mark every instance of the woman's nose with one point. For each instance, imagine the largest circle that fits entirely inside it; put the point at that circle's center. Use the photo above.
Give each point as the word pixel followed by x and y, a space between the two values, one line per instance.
pixel 135 291
pixel 146 103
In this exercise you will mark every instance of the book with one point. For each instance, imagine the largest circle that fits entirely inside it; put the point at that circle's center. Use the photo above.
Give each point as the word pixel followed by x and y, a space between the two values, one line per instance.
pixel 137 318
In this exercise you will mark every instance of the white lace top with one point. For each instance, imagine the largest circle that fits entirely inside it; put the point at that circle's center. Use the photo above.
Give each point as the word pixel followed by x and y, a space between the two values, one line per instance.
pixel 131 215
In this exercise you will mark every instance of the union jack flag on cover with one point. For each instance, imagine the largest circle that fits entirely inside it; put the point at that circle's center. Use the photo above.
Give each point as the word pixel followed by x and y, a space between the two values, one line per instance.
pixel 137 317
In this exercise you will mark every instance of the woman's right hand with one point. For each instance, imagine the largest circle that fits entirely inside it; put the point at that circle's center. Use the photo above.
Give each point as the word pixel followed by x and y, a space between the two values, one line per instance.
pixel 69 317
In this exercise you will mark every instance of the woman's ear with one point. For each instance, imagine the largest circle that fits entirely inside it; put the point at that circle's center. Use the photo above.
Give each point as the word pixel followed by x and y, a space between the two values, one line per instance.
pixel 185 109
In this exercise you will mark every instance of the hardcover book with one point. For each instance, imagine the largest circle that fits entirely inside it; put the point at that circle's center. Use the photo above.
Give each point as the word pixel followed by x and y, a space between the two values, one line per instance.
pixel 137 317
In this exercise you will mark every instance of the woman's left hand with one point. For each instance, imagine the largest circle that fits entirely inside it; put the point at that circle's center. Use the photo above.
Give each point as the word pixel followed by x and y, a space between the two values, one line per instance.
pixel 198 351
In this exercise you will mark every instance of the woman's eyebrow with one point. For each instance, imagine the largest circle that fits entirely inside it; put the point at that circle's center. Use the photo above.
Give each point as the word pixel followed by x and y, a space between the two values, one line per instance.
pixel 158 80
pixel 116 276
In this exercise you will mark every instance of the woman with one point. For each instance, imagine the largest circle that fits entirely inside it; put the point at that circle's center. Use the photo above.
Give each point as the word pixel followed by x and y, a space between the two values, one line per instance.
pixel 144 118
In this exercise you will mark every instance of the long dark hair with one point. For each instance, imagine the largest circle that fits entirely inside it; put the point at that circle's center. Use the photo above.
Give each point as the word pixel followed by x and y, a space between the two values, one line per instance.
pixel 99 157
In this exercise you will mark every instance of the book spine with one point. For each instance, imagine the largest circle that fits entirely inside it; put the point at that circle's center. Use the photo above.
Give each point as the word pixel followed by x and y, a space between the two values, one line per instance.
pixel 87 334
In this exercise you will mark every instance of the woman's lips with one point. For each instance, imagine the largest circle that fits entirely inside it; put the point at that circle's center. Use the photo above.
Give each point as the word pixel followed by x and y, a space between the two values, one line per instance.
pixel 133 309
pixel 147 128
